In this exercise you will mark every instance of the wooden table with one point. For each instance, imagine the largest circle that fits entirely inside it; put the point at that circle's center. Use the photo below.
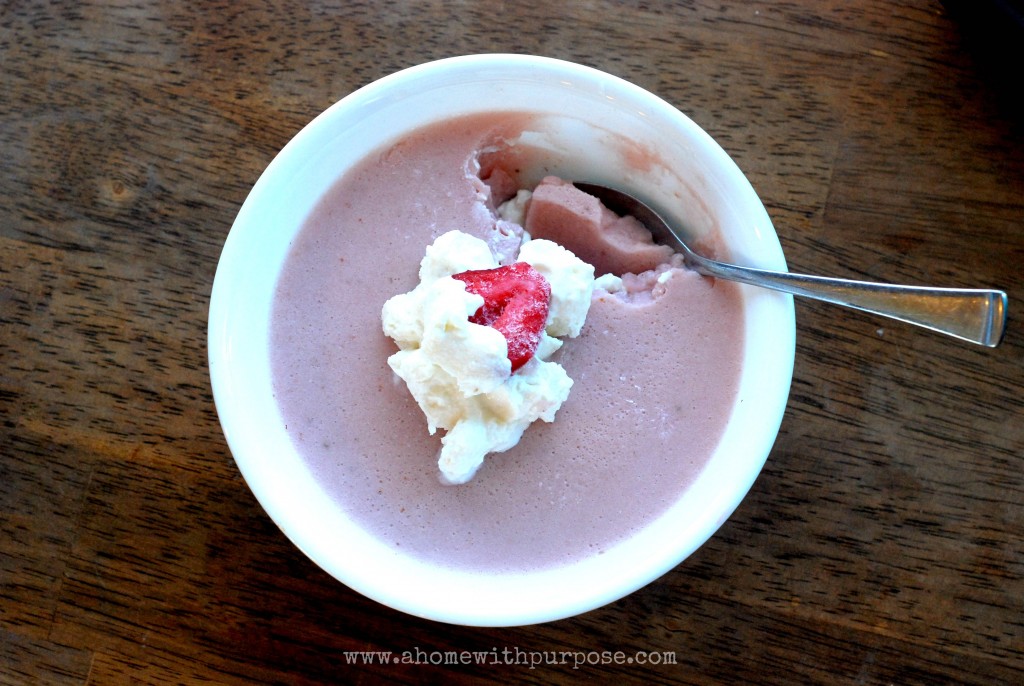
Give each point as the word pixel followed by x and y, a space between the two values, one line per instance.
pixel 882 542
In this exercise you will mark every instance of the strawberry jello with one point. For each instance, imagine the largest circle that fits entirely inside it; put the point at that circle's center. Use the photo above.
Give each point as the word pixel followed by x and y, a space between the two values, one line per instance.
pixel 655 367
pixel 619 488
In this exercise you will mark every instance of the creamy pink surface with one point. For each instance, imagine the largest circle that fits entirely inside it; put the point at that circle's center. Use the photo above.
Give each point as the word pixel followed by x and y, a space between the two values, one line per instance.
pixel 654 381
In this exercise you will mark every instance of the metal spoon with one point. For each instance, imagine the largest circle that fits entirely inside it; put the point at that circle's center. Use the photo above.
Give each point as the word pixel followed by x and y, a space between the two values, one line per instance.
pixel 975 315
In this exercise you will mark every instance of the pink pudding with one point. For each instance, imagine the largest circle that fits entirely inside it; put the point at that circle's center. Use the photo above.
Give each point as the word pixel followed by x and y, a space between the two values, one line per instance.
pixel 655 372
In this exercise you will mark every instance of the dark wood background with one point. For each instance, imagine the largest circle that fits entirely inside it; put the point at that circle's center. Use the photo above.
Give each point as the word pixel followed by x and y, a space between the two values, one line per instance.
pixel 883 541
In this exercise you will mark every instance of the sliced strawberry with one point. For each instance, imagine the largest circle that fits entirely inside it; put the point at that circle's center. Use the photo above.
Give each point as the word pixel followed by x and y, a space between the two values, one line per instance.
pixel 516 299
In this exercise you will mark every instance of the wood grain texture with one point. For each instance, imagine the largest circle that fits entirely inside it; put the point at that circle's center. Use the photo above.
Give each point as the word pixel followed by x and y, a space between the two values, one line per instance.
pixel 882 542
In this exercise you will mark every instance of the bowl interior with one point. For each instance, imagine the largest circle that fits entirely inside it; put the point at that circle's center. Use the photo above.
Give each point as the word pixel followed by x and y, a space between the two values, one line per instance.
pixel 592 123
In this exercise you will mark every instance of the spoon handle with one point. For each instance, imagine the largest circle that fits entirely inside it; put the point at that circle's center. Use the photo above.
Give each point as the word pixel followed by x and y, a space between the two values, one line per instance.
pixel 975 315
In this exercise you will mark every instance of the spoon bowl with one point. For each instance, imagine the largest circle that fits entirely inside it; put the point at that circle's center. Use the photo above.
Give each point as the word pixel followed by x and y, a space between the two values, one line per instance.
pixel 974 315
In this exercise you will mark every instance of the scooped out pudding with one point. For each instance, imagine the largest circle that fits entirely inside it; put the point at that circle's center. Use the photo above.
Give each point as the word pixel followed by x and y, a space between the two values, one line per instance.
pixel 612 244
pixel 654 368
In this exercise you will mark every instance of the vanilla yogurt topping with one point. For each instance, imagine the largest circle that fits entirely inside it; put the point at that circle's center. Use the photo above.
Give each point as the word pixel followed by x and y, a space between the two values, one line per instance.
pixel 459 373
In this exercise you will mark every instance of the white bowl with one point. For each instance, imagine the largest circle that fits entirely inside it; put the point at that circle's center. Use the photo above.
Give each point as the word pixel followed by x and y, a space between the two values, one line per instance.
pixel 695 169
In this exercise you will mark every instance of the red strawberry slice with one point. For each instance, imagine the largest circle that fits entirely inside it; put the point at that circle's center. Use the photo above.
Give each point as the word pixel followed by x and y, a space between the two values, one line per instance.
pixel 516 299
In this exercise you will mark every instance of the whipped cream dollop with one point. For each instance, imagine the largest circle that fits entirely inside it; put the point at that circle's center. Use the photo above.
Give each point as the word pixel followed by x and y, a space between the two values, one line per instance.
pixel 459 372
